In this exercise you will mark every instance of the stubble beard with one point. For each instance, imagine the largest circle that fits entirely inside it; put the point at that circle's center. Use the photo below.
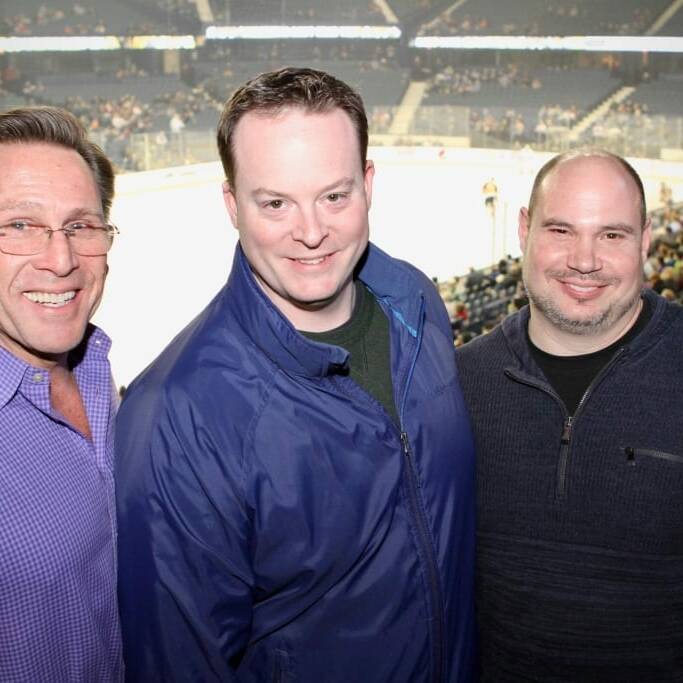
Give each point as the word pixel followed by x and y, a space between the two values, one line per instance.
pixel 600 322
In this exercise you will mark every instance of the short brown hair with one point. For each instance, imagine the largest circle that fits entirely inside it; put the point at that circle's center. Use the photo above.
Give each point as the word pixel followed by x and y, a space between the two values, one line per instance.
pixel 271 92
pixel 55 126
pixel 587 154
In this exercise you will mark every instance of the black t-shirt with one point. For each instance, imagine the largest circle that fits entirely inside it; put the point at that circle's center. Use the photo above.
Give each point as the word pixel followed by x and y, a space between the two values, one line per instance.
pixel 366 337
pixel 570 376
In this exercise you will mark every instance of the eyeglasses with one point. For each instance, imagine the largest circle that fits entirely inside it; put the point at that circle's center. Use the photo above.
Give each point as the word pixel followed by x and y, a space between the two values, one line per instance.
pixel 21 238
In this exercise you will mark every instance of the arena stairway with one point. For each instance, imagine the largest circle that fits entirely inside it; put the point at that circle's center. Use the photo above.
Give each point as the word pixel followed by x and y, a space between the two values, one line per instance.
pixel 600 111
pixel 408 108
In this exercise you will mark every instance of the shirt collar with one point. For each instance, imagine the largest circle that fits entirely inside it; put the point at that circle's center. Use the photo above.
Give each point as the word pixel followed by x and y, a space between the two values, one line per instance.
pixel 95 346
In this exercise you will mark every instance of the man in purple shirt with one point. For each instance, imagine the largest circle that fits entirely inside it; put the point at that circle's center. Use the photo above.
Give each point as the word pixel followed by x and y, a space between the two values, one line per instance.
pixel 58 613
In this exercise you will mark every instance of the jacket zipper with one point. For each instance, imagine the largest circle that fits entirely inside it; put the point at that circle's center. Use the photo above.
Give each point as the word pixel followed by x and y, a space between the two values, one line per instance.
pixel 565 441
pixel 419 516
pixel 569 420
pixel 428 553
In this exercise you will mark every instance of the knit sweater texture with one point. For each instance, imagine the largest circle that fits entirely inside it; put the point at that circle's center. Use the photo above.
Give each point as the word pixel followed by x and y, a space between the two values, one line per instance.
pixel 580 520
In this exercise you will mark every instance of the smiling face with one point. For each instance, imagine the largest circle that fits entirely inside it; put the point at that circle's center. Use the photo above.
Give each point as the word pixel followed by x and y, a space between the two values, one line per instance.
pixel 47 299
pixel 300 204
pixel 584 248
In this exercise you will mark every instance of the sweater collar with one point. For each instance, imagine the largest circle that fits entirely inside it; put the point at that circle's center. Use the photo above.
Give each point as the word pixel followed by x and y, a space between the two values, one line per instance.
pixel 515 327
pixel 393 283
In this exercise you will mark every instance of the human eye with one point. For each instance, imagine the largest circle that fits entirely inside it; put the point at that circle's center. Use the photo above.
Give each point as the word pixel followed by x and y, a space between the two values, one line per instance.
pixel 614 235
pixel 15 228
pixel 273 204
pixel 83 229
pixel 80 229
pixel 336 197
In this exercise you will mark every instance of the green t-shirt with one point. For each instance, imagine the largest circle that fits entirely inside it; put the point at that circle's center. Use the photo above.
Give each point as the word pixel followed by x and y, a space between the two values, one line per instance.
pixel 366 337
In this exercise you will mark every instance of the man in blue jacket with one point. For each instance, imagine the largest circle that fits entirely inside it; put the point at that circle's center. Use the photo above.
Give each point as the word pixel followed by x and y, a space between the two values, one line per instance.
pixel 577 403
pixel 295 471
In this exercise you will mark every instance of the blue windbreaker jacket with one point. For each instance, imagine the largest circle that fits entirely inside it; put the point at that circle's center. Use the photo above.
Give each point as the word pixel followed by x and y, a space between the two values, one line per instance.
pixel 274 523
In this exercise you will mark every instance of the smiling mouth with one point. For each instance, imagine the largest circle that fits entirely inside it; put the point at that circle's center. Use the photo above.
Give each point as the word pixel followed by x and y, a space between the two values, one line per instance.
pixel 311 261
pixel 583 289
pixel 51 299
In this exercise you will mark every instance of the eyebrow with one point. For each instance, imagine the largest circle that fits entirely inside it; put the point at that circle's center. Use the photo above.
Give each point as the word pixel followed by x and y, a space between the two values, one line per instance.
pixel 555 221
pixel 27 205
pixel 624 227
pixel 342 182
pixel 81 213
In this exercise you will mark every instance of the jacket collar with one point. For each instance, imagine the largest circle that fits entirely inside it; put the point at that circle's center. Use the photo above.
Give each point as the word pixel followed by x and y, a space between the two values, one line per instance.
pixel 392 283
pixel 515 328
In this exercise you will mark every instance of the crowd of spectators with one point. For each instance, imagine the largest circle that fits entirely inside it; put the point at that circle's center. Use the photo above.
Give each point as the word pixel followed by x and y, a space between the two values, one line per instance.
pixel 451 24
pixel 82 20
pixel 292 12
pixel 619 121
pixel 478 301
pixel 512 126
pixel 640 20
pixel 555 18
pixel 507 126
pixel 629 108
pixel 664 266
pixel 85 19
pixel 114 120
pixel 122 116
pixel 460 81
pixel 554 119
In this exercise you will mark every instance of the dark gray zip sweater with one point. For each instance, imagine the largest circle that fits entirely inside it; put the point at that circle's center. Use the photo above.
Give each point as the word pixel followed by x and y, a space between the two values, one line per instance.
pixel 580 521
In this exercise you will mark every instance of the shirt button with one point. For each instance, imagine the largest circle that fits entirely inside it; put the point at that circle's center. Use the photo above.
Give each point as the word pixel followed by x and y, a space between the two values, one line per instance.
pixel 37 377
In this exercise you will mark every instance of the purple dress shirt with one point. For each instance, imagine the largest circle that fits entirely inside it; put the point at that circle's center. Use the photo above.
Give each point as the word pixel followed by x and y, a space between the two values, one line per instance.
pixel 58 613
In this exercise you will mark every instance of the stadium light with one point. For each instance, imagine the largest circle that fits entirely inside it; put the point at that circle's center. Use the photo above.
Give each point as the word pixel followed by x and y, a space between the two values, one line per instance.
pixel 58 43
pixel 302 32
pixel 160 43
pixel 670 44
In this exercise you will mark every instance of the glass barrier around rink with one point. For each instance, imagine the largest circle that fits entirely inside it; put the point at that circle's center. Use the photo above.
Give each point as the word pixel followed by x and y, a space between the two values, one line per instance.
pixel 656 137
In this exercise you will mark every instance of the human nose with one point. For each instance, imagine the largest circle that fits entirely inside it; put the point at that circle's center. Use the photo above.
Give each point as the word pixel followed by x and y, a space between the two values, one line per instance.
pixel 583 255
pixel 58 255
pixel 310 228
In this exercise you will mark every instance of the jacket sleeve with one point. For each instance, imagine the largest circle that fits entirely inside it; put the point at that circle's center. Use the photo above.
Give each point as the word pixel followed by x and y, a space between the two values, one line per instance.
pixel 185 580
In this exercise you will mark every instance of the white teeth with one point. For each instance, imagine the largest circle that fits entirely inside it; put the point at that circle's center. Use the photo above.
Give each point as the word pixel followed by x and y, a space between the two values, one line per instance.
pixel 50 298
pixel 311 261
pixel 582 288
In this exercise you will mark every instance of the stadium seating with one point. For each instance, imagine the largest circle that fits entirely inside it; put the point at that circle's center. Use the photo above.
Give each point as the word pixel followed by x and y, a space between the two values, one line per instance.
pixel 549 17
pixel 58 87
pixel 325 12
pixel 73 17
pixel 662 96
pixel 378 86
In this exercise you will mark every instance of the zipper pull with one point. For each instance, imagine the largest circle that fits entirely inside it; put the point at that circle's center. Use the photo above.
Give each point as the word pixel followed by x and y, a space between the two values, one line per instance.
pixel 405 443
pixel 566 431
pixel 408 453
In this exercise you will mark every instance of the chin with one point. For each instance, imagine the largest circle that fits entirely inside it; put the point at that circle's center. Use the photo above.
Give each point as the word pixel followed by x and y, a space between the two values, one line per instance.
pixel 61 346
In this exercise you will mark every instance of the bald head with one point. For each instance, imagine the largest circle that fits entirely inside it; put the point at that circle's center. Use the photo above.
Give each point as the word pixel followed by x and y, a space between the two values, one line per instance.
pixel 603 160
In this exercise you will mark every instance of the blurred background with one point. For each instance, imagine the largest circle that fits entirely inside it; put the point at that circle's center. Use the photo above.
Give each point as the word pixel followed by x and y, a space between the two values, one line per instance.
pixel 466 99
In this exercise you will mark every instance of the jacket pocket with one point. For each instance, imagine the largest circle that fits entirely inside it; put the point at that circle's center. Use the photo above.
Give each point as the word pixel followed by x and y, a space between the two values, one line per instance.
pixel 633 455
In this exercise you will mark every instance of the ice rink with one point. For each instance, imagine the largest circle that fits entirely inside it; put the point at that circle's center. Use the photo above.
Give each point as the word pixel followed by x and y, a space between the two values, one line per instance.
pixel 176 244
